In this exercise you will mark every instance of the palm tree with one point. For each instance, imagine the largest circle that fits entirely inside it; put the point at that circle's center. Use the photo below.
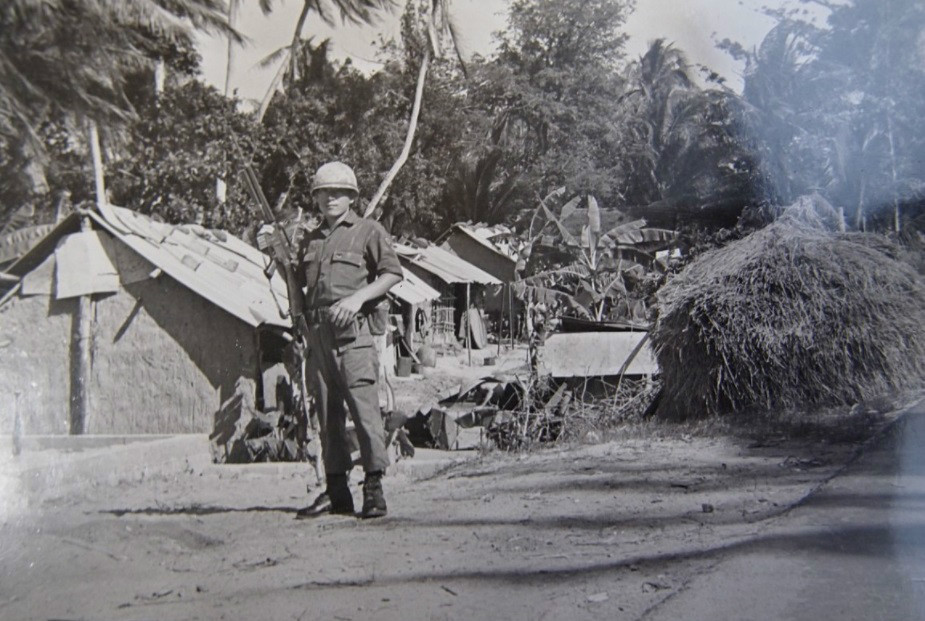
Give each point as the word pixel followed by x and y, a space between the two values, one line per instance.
pixel 437 21
pixel 294 56
pixel 478 191
pixel 660 83
pixel 53 64
pixel 52 59
pixel 234 7
pixel 693 153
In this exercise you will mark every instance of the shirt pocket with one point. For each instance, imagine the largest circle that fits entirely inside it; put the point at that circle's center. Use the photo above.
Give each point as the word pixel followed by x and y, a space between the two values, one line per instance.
pixel 312 266
pixel 348 272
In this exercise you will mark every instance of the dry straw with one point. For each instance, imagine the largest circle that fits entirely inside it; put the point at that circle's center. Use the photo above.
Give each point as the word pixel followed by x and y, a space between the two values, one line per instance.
pixel 792 317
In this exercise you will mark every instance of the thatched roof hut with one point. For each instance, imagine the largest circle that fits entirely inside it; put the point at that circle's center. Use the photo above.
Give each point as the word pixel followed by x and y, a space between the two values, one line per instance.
pixel 174 316
pixel 795 316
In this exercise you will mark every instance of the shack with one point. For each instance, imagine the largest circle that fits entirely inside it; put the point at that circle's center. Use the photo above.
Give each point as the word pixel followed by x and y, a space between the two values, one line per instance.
pixel 414 300
pixel 123 325
pixel 493 250
pixel 462 287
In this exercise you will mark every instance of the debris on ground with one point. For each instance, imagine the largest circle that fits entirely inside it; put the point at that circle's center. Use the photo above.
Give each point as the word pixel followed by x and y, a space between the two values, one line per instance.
pixel 244 434
pixel 503 412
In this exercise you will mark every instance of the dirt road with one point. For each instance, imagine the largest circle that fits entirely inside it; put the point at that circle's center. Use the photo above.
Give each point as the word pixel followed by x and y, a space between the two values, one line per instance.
pixel 608 531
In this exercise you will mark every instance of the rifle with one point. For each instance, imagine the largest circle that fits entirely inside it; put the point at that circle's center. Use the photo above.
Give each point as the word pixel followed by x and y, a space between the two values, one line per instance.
pixel 281 254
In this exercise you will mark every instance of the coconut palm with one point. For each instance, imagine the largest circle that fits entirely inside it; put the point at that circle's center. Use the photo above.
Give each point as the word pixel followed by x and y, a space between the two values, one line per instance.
pixel 234 7
pixel 436 20
pixel 52 58
pixel 293 56
pixel 659 84
pixel 68 60
pixel 478 190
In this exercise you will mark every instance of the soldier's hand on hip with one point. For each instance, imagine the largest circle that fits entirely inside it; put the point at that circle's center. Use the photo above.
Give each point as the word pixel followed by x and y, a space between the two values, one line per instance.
pixel 343 311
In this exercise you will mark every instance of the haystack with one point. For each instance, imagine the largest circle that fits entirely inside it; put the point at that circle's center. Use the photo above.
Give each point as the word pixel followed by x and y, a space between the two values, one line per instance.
pixel 793 317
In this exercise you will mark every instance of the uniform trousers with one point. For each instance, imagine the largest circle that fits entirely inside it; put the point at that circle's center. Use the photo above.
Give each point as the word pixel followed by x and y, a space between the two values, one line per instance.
pixel 343 377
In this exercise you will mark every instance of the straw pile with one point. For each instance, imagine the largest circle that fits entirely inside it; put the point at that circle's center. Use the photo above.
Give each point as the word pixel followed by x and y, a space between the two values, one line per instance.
pixel 794 317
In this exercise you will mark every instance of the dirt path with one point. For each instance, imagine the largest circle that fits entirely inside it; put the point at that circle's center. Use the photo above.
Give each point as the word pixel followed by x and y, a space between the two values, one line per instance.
pixel 594 532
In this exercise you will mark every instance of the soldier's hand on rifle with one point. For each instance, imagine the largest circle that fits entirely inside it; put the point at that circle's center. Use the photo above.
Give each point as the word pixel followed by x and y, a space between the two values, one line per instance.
pixel 265 236
pixel 343 311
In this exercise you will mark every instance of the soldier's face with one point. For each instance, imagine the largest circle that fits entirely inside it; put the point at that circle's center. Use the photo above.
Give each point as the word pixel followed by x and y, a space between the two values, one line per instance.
pixel 333 203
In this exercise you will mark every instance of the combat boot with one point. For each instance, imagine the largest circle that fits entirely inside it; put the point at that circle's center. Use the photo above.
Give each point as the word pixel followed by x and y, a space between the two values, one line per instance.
pixel 336 498
pixel 373 497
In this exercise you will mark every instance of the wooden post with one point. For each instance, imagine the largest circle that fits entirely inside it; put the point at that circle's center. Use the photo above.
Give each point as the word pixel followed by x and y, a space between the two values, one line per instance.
pixel 410 328
pixel 510 310
pixel 501 319
pixel 82 361
pixel 468 327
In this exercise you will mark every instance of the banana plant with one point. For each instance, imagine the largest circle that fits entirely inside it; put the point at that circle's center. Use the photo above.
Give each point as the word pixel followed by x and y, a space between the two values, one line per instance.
pixel 592 271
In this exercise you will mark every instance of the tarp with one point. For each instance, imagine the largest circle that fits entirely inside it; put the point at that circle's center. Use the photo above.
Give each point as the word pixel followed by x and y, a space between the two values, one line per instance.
pixel 596 354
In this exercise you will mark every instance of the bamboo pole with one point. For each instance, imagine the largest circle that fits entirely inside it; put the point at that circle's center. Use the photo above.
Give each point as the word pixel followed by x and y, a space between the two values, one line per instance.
pixel 97 155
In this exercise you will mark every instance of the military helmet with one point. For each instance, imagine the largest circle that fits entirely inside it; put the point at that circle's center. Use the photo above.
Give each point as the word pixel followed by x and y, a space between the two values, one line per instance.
pixel 335 175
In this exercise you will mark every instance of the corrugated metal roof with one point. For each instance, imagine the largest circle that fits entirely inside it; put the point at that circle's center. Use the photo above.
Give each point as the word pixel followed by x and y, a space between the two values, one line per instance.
pixel 214 264
pixel 444 265
pixel 14 245
pixel 413 290
pixel 483 236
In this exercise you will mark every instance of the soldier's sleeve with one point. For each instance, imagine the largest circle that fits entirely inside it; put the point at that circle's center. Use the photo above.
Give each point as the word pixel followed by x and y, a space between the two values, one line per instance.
pixel 383 259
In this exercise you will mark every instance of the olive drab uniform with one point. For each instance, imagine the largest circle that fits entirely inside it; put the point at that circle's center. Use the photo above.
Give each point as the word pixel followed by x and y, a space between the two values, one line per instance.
pixel 342 364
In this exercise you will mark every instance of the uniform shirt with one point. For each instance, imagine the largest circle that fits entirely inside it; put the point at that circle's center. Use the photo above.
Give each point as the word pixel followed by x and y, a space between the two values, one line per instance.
pixel 333 263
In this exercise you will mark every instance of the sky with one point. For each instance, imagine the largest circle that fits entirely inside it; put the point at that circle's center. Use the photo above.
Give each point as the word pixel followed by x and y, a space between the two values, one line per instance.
pixel 693 26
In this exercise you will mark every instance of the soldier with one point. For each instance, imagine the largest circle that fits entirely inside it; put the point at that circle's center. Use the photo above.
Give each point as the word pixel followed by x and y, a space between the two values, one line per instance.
pixel 345 267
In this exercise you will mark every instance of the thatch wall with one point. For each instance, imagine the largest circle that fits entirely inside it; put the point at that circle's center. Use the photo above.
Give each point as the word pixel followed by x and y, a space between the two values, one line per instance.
pixel 34 361
pixel 795 317
pixel 163 360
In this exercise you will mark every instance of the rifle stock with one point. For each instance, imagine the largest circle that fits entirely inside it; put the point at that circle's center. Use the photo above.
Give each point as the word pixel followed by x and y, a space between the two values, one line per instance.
pixel 281 252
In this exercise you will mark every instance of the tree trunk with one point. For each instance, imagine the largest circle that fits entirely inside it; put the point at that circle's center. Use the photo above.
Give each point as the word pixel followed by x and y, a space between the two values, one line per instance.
pixel 97 155
pixel 296 37
pixel 409 137
pixel 896 216
pixel 859 220
pixel 233 6
pixel 265 103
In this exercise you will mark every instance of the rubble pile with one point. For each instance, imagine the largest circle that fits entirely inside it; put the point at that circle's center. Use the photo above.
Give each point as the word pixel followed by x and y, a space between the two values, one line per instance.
pixel 502 412
pixel 243 434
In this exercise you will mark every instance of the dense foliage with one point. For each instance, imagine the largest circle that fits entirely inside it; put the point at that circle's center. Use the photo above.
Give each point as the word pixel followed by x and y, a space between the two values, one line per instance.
pixel 833 108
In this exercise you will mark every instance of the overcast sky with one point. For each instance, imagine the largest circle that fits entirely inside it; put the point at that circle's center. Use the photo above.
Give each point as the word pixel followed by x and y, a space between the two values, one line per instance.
pixel 692 25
